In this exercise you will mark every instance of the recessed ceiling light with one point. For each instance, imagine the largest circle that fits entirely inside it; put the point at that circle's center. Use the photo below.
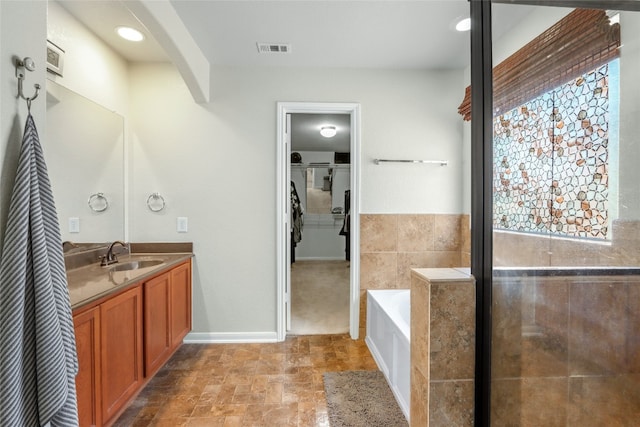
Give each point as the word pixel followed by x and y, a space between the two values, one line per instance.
pixel 328 131
pixel 130 34
pixel 464 24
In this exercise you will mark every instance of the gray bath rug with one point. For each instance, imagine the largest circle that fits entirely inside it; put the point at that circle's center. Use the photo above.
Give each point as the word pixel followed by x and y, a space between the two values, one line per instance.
pixel 361 399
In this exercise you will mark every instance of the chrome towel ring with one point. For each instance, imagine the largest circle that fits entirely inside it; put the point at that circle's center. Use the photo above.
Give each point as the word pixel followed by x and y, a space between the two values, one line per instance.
pixel 98 202
pixel 155 202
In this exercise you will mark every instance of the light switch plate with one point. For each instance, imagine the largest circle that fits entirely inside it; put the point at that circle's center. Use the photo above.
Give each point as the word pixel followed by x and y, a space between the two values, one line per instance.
pixel 182 224
pixel 74 225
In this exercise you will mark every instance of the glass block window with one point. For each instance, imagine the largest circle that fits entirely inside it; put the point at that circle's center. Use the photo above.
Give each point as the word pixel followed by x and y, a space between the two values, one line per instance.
pixel 551 170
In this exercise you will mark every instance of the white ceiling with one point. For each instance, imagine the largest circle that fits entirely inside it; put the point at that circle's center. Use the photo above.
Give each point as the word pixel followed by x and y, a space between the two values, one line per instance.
pixel 363 34
pixel 386 34
pixel 103 16
pixel 322 33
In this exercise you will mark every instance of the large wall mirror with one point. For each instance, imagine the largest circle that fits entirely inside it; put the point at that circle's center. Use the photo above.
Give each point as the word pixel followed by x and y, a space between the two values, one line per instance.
pixel 84 150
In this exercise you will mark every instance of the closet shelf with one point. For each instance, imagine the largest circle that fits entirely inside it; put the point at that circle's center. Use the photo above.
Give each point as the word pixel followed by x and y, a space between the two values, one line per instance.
pixel 320 165
pixel 439 162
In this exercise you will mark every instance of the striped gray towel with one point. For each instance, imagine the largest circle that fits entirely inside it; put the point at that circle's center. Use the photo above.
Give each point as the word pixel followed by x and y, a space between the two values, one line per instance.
pixel 38 361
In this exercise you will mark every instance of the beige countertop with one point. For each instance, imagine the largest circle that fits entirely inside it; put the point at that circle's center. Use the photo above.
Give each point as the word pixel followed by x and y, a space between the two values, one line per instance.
pixel 89 283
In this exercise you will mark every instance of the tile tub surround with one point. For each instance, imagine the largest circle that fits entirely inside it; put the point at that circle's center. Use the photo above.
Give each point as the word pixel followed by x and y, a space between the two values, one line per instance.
pixel 442 347
pixel 392 244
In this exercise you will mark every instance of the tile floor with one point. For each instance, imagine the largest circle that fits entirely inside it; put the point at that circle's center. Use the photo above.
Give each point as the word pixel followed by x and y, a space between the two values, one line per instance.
pixel 270 385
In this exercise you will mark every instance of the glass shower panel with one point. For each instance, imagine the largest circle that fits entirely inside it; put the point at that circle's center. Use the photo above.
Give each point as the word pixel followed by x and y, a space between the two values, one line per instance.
pixel 565 345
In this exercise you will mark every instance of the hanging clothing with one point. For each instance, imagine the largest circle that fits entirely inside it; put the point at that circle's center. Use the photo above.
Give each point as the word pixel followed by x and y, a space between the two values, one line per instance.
pixel 297 221
pixel 346 225
pixel 38 361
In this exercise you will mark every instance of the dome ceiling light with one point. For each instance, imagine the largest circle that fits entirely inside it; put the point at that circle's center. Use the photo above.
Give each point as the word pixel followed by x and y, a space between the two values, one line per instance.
pixel 464 24
pixel 328 131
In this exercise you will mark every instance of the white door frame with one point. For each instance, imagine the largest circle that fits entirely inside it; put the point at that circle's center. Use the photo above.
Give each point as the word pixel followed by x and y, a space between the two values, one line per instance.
pixel 283 195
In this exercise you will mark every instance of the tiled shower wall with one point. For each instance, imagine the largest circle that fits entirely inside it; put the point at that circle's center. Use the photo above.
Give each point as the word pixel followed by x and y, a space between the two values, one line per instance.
pixel 566 351
pixel 392 244
pixel 537 250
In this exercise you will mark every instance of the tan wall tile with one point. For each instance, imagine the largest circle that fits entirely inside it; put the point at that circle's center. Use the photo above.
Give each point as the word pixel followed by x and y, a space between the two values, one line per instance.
pixel 597 339
pixel 465 259
pixel 419 406
pixel 378 270
pixel 451 403
pixel 604 401
pixel 518 250
pixel 447 233
pixel 544 402
pixel 432 259
pixel 452 319
pixel 465 233
pixel 420 325
pixel 378 233
pixel 545 342
pixel 633 326
pixel 363 311
pixel 415 233
pixel 506 404
pixel 506 337
pixel 528 250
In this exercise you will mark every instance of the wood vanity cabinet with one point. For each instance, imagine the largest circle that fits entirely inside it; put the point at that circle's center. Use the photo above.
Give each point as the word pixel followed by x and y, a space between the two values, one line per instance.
pixel 180 297
pixel 167 315
pixel 157 340
pixel 121 350
pixel 87 329
pixel 124 339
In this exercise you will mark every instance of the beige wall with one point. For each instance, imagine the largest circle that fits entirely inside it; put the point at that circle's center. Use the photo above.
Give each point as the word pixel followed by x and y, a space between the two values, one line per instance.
pixel 23 27
pixel 216 164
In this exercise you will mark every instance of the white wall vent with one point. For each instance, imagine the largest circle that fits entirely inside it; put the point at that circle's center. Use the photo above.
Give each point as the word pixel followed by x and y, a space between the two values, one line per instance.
pixel 273 48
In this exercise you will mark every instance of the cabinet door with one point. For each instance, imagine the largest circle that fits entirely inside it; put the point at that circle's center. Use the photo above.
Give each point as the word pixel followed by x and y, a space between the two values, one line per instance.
pixel 121 341
pixel 87 331
pixel 157 340
pixel 180 297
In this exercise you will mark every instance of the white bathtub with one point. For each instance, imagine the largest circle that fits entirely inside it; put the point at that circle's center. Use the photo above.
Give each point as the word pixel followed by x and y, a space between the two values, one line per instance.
pixel 388 339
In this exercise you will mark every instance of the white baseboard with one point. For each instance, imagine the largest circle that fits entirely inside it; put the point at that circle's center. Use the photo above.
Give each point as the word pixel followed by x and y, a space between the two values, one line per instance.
pixel 230 337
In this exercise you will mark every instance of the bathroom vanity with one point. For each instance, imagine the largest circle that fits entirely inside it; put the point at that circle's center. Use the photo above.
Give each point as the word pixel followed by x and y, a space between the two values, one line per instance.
pixel 129 319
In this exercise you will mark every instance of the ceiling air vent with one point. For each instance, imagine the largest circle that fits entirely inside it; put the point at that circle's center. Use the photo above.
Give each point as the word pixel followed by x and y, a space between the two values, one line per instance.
pixel 273 48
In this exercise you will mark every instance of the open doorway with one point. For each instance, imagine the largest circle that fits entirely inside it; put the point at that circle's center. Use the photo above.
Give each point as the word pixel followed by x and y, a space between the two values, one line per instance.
pixel 320 171
pixel 318 259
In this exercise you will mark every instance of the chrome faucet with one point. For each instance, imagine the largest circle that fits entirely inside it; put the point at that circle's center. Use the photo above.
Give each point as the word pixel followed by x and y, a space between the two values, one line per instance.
pixel 111 258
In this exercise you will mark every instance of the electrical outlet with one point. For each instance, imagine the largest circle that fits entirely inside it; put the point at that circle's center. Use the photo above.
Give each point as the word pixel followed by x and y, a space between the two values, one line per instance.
pixel 182 224
pixel 74 225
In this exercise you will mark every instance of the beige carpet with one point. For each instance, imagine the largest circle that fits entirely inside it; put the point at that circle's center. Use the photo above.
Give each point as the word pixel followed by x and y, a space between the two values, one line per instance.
pixel 319 297
pixel 361 399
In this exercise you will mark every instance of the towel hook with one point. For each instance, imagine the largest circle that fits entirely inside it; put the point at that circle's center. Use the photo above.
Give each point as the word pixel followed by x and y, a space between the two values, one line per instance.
pixel 22 65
